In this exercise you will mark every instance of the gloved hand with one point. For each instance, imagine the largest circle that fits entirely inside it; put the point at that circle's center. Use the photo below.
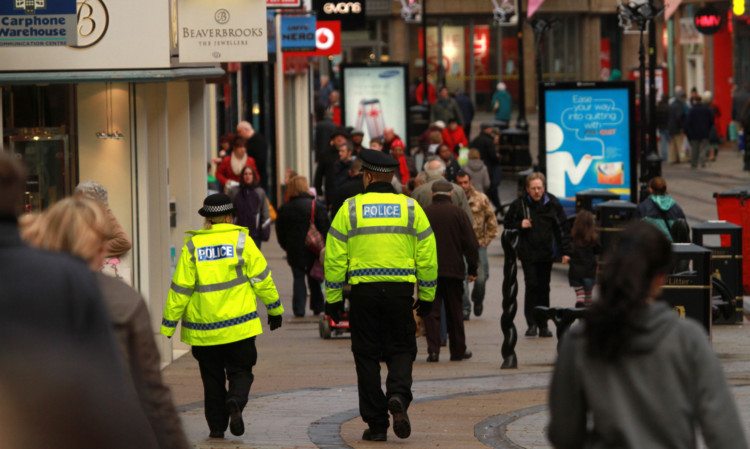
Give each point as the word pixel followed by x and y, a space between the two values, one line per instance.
pixel 335 310
pixel 274 321
pixel 423 308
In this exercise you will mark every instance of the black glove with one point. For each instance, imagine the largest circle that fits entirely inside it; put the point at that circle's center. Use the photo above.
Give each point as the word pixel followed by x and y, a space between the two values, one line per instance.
pixel 423 308
pixel 274 321
pixel 335 310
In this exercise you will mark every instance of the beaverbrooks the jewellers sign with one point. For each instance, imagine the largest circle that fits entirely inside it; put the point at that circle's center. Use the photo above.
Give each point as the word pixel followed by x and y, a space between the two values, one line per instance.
pixel 37 23
pixel 222 31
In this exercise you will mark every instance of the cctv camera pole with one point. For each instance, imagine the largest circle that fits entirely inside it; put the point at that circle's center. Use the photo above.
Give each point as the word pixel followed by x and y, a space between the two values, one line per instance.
pixel 521 123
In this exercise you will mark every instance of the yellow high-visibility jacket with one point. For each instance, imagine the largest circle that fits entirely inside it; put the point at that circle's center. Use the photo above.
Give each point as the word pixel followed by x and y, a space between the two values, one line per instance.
pixel 380 237
pixel 213 291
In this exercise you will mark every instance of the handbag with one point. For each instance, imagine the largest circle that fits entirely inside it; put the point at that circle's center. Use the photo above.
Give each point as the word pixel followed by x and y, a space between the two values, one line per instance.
pixel 314 240
pixel 316 272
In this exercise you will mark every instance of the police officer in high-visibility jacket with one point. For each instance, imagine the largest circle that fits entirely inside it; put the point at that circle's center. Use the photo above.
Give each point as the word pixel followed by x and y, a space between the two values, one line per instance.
pixel 381 243
pixel 218 277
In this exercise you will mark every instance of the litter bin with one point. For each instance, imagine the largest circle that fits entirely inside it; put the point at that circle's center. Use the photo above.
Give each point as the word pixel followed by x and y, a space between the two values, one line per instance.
pixel 724 239
pixel 514 150
pixel 611 218
pixel 734 206
pixel 587 199
pixel 689 291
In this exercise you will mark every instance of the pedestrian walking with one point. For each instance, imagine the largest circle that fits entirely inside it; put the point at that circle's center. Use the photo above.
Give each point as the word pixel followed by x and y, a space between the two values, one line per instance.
pixel 477 171
pixel 635 375
pixel 453 136
pixel 662 125
pixel 698 125
pixel 502 104
pixel 435 171
pixel 677 114
pixel 292 223
pixel 660 209
pixel 353 186
pixel 466 106
pixel 324 181
pixel 252 207
pixel 486 142
pixel 57 339
pixel 540 220
pixel 80 227
pixel 341 167
pixel 446 108
pixel 485 230
pixel 214 288
pixel 451 164
pixel 455 240
pixel 583 260
pixel 382 243
pixel 257 149
pixel 228 172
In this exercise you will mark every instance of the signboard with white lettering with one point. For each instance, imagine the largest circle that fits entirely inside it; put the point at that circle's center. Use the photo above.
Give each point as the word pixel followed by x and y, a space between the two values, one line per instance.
pixel 279 4
pixel 327 40
pixel 37 23
pixel 350 13
pixel 131 34
pixel 297 33
pixel 222 31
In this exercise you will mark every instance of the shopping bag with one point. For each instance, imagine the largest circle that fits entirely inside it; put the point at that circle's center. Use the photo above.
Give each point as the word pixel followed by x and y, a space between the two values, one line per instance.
pixel 314 241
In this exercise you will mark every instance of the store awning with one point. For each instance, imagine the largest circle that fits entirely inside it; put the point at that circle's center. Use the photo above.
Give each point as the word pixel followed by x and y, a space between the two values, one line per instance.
pixel 98 76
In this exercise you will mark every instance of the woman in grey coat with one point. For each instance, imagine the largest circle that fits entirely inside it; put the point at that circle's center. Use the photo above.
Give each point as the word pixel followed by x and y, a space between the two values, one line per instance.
pixel 635 375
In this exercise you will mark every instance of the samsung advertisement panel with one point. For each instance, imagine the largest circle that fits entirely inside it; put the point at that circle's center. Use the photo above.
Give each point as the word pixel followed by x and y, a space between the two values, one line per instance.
pixel 586 139
pixel 373 98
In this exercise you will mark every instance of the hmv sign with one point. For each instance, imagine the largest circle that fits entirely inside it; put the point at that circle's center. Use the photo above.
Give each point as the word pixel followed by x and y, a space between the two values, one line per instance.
pixel 351 14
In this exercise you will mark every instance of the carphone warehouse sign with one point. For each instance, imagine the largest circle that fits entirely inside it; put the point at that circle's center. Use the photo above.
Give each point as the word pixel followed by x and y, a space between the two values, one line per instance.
pixel 38 23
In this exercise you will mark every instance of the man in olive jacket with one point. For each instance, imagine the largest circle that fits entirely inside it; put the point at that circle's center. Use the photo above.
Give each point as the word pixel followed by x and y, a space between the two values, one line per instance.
pixel 540 220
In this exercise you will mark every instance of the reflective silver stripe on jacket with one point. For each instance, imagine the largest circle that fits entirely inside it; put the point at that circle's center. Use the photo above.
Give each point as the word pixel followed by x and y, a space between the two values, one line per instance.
pixel 181 290
pixel 191 249
pixel 262 276
pixel 239 280
pixel 424 234
pixel 220 286
pixel 337 234
pixel 353 213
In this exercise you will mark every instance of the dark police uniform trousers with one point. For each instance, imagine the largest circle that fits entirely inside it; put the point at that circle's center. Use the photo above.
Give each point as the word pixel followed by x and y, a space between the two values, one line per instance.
pixel 383 329
pixel 234 362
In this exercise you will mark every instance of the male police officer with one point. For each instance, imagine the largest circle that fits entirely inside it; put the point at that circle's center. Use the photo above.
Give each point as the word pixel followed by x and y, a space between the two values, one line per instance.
pixel 218 276
pixel 382 243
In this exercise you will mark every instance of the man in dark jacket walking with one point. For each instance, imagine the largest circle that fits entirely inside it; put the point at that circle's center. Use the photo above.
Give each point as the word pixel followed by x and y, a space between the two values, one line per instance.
pixel 698 126
pixel 324 173
pixel 455 239
pixel 350 188
pixel 676 122
pixel 540 220
pixel 486 142
pixel 467 110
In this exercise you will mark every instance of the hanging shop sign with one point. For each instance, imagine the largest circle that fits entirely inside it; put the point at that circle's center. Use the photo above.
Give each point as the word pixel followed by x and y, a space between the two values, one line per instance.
pixel 221 31
pixel 350 13
pixel 109 35
pixel 327 40
pixel 585 136
pixel 708 20
pixel 38 23
pixel 283 4
pixel 374 97
pixel 297 33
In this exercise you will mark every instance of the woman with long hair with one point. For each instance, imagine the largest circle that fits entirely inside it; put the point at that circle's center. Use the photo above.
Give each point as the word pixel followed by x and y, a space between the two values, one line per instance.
pixel 81 227
pixel 586 247
pixel 292 224
pixel 635 375
pixel 252 207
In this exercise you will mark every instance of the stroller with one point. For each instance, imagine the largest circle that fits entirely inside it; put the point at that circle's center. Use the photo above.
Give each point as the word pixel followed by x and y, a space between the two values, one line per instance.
pixel 327 327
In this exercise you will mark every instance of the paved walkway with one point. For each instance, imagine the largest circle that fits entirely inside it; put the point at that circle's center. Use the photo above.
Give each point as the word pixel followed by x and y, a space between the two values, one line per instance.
pixel 304 395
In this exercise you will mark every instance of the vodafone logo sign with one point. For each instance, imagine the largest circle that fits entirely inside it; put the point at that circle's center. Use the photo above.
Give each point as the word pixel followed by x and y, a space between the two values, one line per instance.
pixel 327 40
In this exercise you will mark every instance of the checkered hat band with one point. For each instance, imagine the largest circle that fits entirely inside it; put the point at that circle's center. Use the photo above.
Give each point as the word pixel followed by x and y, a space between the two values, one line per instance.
pixel 378 168
pixel 219 208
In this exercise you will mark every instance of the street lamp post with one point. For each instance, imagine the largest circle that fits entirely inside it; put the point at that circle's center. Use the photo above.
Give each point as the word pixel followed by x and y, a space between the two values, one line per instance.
pixel 642 14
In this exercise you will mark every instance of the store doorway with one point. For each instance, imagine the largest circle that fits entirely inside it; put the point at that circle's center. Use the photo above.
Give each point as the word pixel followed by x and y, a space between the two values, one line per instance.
pixel 695 75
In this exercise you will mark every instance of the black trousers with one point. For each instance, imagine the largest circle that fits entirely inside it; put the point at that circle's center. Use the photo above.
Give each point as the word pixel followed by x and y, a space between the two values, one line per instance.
pixel 383 329
pixel 536 277
pixel 449 292
pixel 233 362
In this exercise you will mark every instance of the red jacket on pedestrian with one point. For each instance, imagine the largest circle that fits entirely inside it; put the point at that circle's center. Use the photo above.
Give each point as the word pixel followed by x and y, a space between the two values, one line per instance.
pixel 431 94
pixel 453 138
pixel 224 171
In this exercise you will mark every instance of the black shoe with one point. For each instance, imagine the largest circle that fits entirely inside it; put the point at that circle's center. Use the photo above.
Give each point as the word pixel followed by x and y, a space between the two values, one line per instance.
pixel 532 331
pixel 467 355
pixel 432 357
pixel 545 332
pixel 216 434
pixel 580 305
pixel 236 426
pixel 467 316
pixel 443 342
pixel 369 435
pixel 478 309
pixel 401 424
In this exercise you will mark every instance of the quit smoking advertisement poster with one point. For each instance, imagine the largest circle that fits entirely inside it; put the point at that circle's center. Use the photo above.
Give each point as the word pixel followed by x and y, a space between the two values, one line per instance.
pixel 587 139
pixel 374 98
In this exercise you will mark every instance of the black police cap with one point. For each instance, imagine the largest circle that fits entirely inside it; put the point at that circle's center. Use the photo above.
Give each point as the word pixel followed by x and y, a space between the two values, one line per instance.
pixel 378 161
pixel 216 205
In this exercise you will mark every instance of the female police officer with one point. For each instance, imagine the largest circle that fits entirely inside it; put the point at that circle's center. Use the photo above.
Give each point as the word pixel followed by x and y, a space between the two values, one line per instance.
pixel 218 277
pixel 382 243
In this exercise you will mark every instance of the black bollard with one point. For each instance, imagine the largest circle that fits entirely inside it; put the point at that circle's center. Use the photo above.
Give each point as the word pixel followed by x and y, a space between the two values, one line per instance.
pixel 509 240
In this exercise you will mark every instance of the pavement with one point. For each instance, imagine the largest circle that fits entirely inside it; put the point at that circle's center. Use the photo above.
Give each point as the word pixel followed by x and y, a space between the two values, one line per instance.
pixel 304 394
